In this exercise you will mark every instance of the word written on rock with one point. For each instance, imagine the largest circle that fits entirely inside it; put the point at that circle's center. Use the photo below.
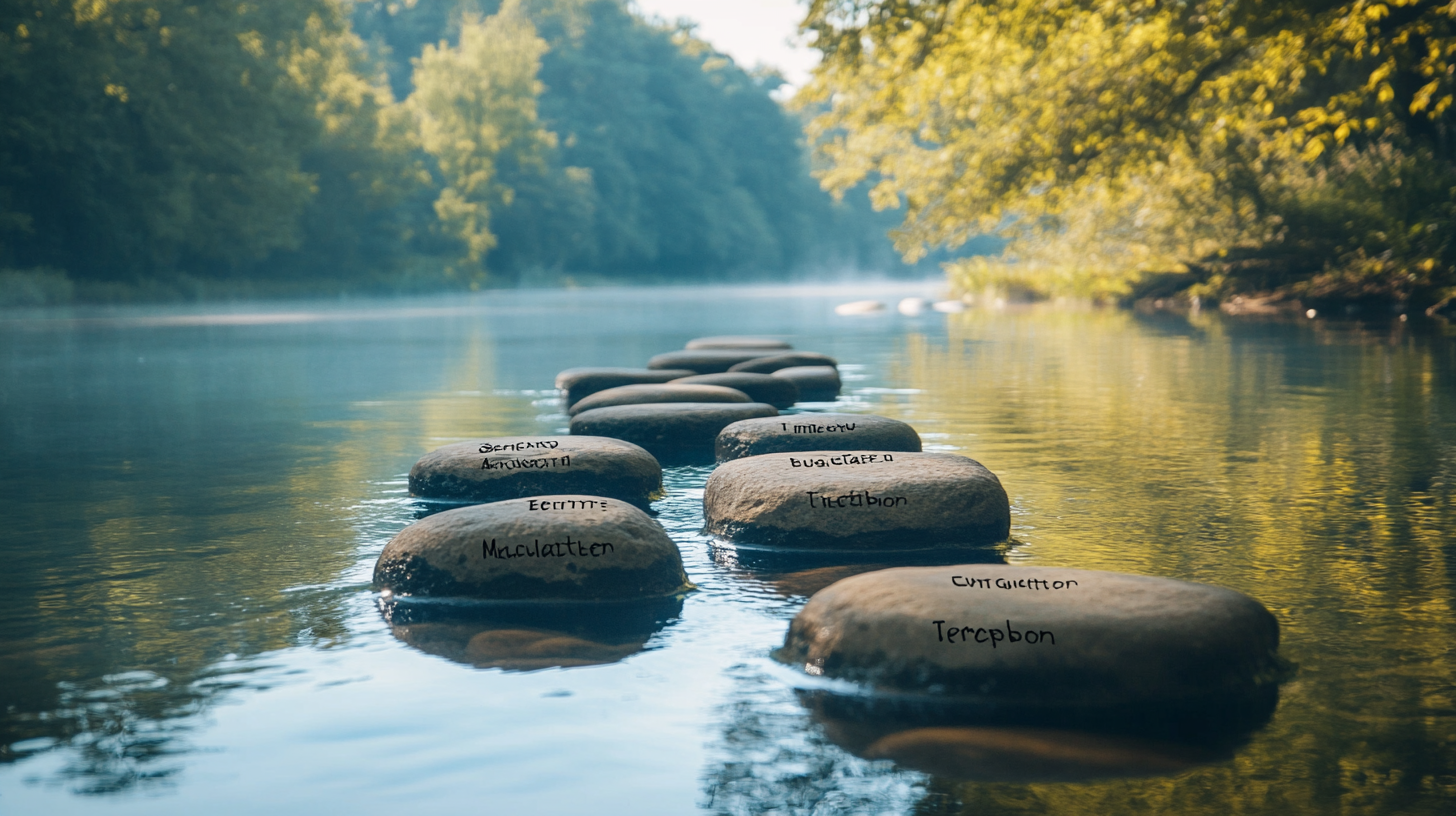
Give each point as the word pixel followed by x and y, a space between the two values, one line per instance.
pixel 993 636
pixel 843 459
pixel 558 549
pixel 542 444
pixel 818 429
pixel 855 498
pixel 568 504
pixel 1008 583
pixel 527 464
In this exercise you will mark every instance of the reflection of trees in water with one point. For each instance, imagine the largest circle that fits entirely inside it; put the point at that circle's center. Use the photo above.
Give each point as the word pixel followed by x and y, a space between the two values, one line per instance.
pixel 770 758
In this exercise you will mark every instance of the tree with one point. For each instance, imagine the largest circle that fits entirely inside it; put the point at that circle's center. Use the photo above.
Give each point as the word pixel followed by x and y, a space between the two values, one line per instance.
pixel 1302 146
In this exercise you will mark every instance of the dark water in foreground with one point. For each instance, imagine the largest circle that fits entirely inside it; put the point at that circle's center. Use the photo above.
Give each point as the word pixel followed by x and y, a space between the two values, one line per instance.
pixel 193 505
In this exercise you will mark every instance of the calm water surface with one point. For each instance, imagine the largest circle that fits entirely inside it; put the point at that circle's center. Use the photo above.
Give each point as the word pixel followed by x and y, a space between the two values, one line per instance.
pixel 193 501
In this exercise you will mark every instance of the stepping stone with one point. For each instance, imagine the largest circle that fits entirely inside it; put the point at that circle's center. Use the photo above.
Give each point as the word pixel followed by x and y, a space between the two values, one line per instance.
pixel 705 361
pixel 672 431
pixel 737 342
pixel 775 391
pixel 815 383
pixel 773 362
pixel 580 382
pixel 859 307
pixel 674 391
pixel 1037 637
pixel 857 500
pixel 513 467
pixel 571 547
pixel 803 432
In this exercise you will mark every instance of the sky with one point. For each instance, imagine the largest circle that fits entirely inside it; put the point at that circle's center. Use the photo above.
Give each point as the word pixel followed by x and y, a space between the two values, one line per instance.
pixel 753 32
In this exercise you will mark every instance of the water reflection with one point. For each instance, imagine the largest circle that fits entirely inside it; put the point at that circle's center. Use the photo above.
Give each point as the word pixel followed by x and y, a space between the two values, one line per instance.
pixel 793 573
pixel 527 636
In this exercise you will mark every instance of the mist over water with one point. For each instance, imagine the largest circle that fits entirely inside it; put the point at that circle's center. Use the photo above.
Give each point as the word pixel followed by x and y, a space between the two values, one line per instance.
pixel 195 498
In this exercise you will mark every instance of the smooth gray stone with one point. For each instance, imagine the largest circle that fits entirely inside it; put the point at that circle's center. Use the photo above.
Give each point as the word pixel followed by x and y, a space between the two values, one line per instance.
pixel 570 547
pixel 737 342
pixel 581 382
pixel 814 431
pixel 1082 637
pixel 674 432
pixel 705 361
pixel 776 391
pixel 815 383
pixel 857 500
pixel 513 467
pixel 771 363
pixel 673 391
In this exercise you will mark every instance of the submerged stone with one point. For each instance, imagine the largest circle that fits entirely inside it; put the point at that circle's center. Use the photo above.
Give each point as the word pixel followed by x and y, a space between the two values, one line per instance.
pixel 737 342
pixel 803 432
pixel 1037 637
pixel 672 431
pixel 775 391
pixel 571 547
pixel 774 362
pixel 815 383
pixel 580 382
pixel 705 361
pixel 857 500
pixel 675 391
pixel 511 467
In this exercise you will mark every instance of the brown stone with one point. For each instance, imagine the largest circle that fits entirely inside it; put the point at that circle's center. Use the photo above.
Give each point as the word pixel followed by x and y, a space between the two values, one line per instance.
pixel 674 391
pixel 815 383
pixel 513 467
pixel 815 431
pixel 674 432
pixel 704 361
pixel 1036 636
pixel 857 500
pixel 737 342
pixel 775 391
pixel 768 364
pixel 579 382
pixel 570 547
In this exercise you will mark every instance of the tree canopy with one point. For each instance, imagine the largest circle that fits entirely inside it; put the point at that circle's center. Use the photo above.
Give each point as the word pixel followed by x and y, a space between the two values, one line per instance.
pixel 1301 146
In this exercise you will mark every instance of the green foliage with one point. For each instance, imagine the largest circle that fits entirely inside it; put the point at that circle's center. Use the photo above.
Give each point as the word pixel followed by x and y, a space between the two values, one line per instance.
pixel 1301 146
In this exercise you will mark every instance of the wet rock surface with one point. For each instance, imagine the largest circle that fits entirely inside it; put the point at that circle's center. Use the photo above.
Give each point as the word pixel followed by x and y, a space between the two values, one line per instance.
pixel 511 467
pixel 580 382
pixel 557 548
pixel 776 391
pixel 815 431
pixel 675 433
pixel 1038 638
pixel 705 361
pixel 734 341
pixel 675 391
pixel 815 383
pixel 857 500
pixel 770 363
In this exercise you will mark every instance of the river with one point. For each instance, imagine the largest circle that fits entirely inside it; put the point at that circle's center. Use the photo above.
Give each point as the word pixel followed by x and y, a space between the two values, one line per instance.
pixel 194 498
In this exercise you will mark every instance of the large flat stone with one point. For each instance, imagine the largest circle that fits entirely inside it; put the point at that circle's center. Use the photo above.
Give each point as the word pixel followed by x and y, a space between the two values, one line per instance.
pixel 675 391
pixel 1036 636
pixel 674 432
pixel 768 364
pixel 705 361
pixel 775 391
pixel 512 467
pixel 803 432
pixel 580 382
pixel 737 342
pixel 857 500
pixel 557 548
pixel 815 383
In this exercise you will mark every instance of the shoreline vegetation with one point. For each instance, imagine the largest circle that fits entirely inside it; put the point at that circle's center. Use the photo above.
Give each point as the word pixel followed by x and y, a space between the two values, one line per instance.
pixel 1260 158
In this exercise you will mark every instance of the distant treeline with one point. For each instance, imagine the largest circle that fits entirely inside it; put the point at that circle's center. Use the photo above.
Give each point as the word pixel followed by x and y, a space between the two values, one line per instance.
pixel 318 144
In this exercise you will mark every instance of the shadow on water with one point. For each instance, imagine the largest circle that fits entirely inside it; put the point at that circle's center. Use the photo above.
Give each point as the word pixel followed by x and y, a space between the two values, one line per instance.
pixel 526 636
